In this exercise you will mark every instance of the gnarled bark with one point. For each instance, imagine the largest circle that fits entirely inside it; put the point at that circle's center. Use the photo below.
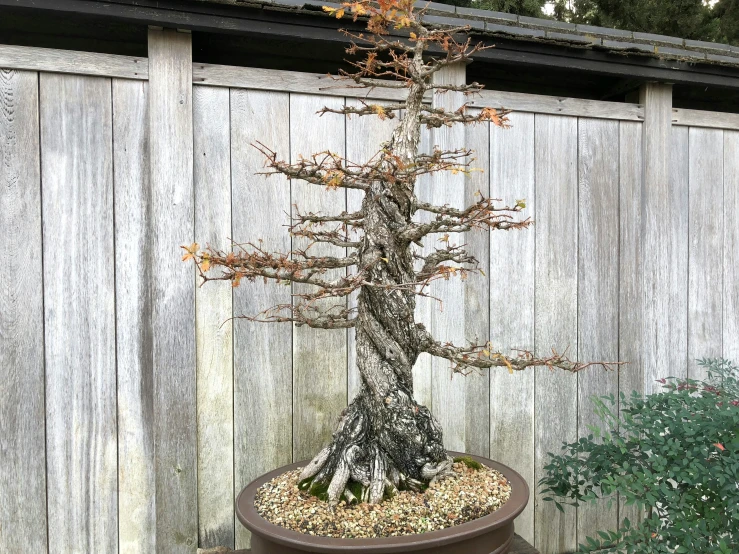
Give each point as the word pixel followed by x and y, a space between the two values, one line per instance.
pixel 385 440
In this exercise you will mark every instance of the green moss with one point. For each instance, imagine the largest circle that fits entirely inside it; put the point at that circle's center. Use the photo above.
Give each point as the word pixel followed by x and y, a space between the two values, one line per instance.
pixel 320 491
pixel 356 489
pixel 305 484
pixel 469 462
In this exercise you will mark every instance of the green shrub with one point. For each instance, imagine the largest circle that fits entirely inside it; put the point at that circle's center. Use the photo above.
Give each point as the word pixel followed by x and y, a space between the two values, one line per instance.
pixel 675 454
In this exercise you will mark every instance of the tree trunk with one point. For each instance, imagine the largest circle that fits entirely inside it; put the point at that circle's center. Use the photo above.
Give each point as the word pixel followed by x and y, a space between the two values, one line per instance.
pixel 385 439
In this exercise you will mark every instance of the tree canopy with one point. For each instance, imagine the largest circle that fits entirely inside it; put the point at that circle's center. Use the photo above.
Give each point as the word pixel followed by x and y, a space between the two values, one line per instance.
pixel 715 21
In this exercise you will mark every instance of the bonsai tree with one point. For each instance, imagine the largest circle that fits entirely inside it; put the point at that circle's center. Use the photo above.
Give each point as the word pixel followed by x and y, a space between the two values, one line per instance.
pixel 385 439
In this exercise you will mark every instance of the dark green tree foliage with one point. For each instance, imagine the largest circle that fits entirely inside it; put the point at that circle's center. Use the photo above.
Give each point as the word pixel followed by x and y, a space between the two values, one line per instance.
pixel 726 20
pixel 675 454
pixel 692 19
pixel 681 18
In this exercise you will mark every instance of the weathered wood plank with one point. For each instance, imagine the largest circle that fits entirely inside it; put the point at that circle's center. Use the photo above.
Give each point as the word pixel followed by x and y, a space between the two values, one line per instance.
pixel 136 451
pixel 631 297
pixel 556 312
pixel 706 239
pixel 558 105
pixel 425 307
pixel 79 306
pixel 731 246
pixel 700 118
pixel 364 136
pixel 263 413
pixel 319 355
pixel 598 288
pixel 664 254
pixel 674 325
pixel 447 320
pixel 512 275
pixel 73 61
pixel 22 433
pixel 285 81
pixel 477 296
pixel 213 308
pixel 173 290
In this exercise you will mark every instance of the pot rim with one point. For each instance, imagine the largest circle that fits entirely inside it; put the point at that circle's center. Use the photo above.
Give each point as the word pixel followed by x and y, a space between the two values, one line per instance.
pixel 505 515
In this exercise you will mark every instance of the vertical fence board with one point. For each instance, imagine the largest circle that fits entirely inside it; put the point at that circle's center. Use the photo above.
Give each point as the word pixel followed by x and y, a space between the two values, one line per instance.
pixel 731 246
pixel 674 290
pixel 173 290
pixel 319 355
pixel 598 288
pixel 364 135
pixel 425 307
pixel 706 238
pixel 512 271
pixel 448 390
pixel 477 296
pixel 263 434
pixel 136 479
pixel 631 376
pixel 556 311
pixel 22 434
pixel 213 308
pixel 76 171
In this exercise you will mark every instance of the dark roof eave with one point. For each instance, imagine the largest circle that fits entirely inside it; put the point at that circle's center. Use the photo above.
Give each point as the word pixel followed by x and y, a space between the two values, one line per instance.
pixel 282 22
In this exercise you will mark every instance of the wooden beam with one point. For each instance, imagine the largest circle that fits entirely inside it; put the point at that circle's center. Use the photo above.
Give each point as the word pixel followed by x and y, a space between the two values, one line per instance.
pixel 558 105
pixel 664 250
pixel 700 118
pixel 285 81
pixel 72 61
pixel 173 290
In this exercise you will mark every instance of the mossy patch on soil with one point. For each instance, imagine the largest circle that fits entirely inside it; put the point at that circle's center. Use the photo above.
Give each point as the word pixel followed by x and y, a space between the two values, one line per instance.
pixel 469 462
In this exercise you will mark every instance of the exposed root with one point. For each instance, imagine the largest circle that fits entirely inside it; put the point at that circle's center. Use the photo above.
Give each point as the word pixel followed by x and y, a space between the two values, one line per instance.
pixel 377 449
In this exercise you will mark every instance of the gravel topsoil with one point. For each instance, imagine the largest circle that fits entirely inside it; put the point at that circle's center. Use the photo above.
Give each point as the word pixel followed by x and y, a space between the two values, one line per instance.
pixel 467 495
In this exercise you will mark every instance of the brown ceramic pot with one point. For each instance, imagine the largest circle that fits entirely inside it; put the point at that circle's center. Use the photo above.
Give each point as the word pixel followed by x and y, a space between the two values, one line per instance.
pixel 492 534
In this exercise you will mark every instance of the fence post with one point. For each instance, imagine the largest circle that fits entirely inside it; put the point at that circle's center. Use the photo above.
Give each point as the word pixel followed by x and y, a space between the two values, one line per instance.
pixel 657 239
pixel 173 289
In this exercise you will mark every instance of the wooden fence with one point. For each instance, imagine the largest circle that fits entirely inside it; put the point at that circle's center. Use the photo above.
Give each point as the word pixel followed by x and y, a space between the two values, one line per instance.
pixel 131 414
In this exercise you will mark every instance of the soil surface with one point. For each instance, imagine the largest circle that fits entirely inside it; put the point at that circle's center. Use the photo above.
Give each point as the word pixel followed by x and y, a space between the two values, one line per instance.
pixel 467 495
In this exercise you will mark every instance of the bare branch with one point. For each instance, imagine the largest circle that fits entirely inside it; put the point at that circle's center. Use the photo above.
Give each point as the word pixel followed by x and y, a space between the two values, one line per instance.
pixel 354 219
pixel 324 168
pixel 308 315
pixel 386 111
pixel 482 214
pixel 438 117
pixel 483 357
pixel 252 261
pixel 430 267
